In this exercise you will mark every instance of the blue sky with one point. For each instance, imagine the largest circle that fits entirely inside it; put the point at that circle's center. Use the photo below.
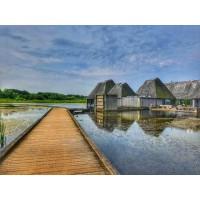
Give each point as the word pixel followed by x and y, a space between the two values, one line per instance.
pixel 72 59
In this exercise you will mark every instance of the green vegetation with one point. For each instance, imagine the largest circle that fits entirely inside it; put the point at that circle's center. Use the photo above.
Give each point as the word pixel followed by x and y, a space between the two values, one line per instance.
pixel 186 102
pixel 2 132
pixel 17 96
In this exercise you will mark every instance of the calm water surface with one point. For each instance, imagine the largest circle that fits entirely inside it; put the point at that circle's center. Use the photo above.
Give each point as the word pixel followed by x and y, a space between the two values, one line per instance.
pixel 145 142
pixel 19 116
pixel 63 105
pixel 17 119
pixel 70 105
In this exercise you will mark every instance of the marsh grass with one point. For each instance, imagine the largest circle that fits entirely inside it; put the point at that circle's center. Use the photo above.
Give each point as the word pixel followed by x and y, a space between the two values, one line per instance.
pixel 2 132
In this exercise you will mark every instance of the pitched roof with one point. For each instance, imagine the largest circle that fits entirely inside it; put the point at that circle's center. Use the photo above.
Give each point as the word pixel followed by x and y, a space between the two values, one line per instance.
pixel 105 87
pixel 185 89
pixel 101 88
pixel 122 90
pixel 155 89
pixel 94 91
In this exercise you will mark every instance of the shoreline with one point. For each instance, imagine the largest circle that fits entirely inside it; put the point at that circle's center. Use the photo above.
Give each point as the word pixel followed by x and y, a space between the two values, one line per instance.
pixel 45 102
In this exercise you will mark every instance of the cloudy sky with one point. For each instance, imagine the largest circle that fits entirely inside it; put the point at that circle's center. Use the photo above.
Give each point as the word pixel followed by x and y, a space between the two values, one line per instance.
pixel 72 59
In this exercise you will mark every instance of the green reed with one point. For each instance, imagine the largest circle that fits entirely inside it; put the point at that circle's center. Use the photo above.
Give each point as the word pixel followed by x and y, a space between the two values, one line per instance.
pixel 2 132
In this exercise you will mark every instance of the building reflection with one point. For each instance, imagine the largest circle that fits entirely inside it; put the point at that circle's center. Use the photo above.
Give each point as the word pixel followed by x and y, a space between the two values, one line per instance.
pixel 151 123
pixel 154 123
pixel 154 126
pixel 114 120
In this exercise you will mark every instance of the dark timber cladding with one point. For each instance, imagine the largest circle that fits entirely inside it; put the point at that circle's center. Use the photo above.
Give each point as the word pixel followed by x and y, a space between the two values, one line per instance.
pixel 101 94
pixel 57 145
pixel 154 93
pixel 100 102
pixel 110 96
pixel 101 89
pixel 120 96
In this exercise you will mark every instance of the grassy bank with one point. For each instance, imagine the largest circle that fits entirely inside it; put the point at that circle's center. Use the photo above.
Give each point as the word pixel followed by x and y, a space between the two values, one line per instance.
pixel 6 100
pixel 188 123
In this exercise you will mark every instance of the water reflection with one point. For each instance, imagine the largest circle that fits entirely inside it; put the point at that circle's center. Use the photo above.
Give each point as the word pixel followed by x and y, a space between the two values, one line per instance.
pixel 114 120
pixel 152 123
pixel 144 142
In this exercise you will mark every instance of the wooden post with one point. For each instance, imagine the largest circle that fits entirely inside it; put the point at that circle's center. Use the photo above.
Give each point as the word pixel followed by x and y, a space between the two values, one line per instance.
pixel 198 111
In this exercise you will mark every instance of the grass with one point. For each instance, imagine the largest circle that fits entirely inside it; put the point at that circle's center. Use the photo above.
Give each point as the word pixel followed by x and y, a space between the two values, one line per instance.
pixel 2 132
pixel 5 100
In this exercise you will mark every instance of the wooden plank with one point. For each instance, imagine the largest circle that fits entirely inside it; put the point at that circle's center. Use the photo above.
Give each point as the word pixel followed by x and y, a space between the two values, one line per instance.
pixel 99 102
pixel 100 97
pixel 55 146
pixel 99 106
pixel 104 161
pixel 19 137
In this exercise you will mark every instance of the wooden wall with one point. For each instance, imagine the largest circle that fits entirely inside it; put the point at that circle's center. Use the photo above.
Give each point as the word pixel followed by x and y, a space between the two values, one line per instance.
pixel 111 103
pixel 148 102
pixel 131 101
pixel 100 102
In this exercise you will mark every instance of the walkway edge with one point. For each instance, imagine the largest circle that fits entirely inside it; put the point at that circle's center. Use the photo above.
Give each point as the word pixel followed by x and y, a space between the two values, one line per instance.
pixel 104 161
pixel 19 137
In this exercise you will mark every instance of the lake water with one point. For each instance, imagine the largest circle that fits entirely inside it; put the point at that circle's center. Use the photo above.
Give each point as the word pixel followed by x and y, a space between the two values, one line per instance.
pixel 17 119
pixel 70 105
pixel 64 105
pixel 19 116
pixel 135 142
pixel 145 142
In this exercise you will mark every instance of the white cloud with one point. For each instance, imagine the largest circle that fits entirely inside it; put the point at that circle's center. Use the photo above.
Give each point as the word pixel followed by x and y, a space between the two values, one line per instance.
pixel 30 59
pixel 101 71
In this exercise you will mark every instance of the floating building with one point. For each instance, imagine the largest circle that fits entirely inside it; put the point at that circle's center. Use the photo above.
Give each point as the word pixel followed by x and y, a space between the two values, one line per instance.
pixel 186 92
pixel 110 96
pixel 155 93
pixel 122 96
pixel 97 97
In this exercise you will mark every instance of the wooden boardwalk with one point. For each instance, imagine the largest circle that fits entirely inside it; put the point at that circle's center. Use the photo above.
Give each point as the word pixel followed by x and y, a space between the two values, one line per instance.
pixel 55 146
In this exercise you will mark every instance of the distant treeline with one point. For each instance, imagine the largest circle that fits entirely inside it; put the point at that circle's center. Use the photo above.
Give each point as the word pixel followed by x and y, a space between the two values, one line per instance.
pixel 25 95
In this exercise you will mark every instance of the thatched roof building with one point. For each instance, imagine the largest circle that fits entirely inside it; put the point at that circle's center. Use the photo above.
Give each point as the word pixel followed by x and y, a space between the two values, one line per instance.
pixel 122 90
pixel 101 88
pixel 185 89
pixel 155 89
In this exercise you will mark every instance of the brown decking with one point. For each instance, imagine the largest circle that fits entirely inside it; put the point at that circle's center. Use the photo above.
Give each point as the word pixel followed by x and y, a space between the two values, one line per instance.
pixel 55 146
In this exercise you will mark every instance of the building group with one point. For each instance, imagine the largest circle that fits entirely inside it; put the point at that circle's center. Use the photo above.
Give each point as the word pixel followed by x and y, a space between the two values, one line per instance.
pixel 108 95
